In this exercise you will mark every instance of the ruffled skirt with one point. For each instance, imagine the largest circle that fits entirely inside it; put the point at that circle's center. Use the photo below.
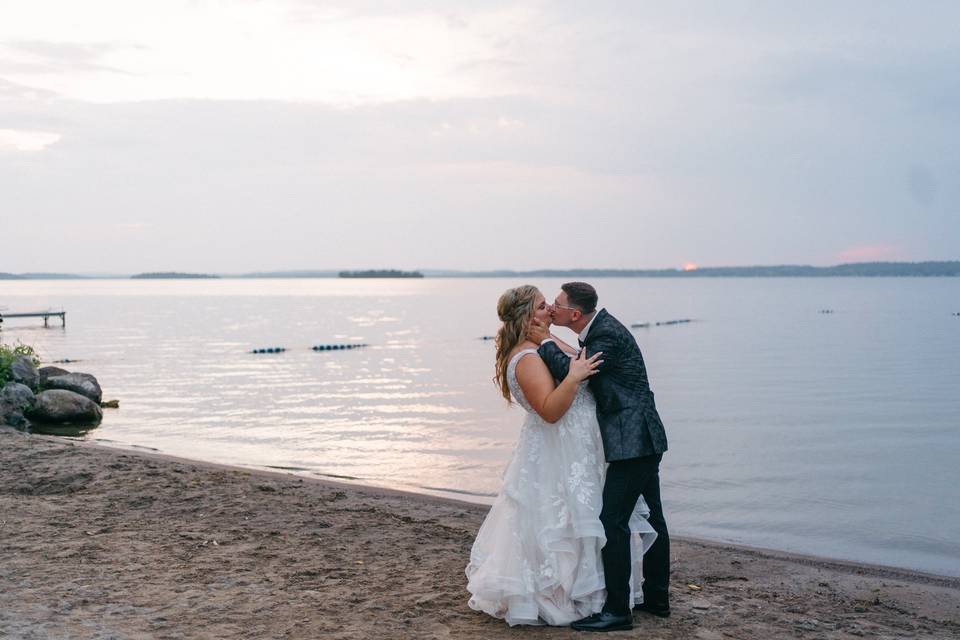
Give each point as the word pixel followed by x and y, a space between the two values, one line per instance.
pixel 536 559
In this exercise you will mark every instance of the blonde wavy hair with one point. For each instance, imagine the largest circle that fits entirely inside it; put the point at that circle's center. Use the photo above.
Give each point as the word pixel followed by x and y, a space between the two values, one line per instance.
pixel 515 309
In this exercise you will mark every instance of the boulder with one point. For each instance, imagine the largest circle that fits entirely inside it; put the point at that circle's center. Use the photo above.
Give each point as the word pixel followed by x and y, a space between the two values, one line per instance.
pixel 60 406
pixel 82 383
pixel 49 372
pixel 23 371
pixel 15 399
pixel 17 395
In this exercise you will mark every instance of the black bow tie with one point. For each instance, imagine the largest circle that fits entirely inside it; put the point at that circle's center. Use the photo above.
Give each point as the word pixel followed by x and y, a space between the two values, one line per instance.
pixel 580 342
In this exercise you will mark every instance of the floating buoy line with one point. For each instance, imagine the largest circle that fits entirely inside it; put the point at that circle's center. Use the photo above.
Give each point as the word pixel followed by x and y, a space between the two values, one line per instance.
pixel 317 347
pixel 664 323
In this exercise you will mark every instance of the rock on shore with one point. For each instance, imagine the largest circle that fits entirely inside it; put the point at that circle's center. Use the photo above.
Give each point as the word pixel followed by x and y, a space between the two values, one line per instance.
pixel 15 400
pixel 49 396
pixel 82 383
pixel 60 406
pixel 24 372
pixel 49 372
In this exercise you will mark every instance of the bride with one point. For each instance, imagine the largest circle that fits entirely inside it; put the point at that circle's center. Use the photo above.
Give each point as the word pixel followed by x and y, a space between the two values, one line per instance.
pixel 536 559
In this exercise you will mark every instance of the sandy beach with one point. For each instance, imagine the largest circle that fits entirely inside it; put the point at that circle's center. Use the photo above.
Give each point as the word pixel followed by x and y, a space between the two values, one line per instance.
pixel 100 542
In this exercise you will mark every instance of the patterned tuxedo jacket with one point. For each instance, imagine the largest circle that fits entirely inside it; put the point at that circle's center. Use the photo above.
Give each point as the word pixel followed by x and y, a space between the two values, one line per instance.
pixel 630 426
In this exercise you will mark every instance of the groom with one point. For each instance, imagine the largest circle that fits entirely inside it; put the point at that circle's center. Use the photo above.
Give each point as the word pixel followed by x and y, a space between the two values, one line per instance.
pixel 633 442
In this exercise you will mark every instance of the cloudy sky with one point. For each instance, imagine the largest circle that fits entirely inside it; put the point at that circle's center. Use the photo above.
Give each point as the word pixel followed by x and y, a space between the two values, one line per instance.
pixel 286 134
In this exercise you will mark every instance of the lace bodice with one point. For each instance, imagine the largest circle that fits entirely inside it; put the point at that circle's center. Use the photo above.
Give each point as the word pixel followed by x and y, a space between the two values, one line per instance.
pixel 512 381
pixel 583 394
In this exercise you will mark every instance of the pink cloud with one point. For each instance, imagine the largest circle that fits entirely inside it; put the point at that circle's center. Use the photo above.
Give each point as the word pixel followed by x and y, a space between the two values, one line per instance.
pixel 871 253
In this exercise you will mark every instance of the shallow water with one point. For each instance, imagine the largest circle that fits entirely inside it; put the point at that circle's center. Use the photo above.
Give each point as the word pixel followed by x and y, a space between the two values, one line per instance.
pixel 831 434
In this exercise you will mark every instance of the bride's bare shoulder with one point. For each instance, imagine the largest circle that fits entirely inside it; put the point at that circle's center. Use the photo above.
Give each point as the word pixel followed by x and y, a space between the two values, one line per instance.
pixel 523 346
pixel 531 365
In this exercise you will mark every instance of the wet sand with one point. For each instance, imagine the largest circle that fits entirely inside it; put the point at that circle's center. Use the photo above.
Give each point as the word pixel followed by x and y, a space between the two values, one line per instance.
pixel 98 542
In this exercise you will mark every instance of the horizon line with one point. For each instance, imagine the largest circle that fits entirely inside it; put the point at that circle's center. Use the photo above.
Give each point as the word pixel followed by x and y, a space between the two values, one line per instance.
pixel 687 271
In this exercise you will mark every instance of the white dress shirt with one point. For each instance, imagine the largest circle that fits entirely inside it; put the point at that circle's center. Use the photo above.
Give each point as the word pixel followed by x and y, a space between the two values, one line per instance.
pixel 586 329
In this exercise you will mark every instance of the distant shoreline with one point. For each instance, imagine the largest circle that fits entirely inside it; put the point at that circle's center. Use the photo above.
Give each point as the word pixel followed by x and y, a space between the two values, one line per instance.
pixel 174 275
pixel 929 269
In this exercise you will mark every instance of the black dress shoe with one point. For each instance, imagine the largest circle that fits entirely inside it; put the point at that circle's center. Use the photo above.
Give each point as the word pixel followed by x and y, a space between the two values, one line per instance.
pixel 604 621
pixel 662 611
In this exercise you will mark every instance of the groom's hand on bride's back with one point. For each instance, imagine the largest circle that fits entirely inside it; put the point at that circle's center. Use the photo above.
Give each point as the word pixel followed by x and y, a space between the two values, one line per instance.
pixel 537 332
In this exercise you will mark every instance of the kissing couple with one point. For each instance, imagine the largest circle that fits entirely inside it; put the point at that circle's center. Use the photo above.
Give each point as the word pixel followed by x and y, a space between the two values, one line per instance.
pixel 576 535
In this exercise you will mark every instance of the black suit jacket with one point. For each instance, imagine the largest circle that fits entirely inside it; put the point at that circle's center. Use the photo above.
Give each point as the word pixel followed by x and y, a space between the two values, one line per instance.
pixel 629 423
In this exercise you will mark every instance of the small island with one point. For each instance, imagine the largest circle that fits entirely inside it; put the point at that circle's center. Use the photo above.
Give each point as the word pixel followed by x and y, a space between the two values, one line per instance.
pixel 173 275
pixel 381 273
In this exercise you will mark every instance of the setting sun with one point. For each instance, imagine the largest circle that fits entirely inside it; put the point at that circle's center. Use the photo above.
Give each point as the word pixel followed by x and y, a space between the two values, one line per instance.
pixel 690 266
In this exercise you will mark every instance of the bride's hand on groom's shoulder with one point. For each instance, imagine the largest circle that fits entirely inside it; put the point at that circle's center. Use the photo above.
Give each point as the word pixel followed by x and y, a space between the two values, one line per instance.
pixel 583 367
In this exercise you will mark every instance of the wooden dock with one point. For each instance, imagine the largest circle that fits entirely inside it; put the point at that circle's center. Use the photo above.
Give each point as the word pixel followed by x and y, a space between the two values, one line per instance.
pixel 46 315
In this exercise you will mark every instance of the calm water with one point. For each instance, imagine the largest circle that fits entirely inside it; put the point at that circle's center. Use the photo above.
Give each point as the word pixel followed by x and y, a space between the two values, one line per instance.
pixel 829 434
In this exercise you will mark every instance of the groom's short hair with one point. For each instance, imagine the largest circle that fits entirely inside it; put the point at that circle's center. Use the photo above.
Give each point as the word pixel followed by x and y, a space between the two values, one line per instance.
pixel 581 295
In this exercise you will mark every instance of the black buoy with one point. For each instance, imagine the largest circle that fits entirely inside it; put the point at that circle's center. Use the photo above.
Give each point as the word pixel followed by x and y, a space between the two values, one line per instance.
pixel 337 347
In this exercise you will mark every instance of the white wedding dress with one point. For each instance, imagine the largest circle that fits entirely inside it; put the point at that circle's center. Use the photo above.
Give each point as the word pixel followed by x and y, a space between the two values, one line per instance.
pixel 536 559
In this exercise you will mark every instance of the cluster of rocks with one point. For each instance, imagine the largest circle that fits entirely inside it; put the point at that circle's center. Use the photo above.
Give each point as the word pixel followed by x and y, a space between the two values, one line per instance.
pixel 49 396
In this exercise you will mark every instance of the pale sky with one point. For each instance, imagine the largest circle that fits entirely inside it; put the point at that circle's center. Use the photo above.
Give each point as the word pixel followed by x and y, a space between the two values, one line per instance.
pixel 290 134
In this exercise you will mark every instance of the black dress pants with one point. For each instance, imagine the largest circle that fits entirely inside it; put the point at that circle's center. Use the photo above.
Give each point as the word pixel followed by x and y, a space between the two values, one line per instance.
pixel 626 481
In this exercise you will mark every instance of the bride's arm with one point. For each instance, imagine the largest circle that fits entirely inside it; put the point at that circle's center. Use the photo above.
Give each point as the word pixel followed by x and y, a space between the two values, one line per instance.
pixel 547 399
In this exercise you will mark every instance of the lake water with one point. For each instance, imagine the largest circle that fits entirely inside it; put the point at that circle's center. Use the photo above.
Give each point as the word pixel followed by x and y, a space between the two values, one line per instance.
pixel 829 434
